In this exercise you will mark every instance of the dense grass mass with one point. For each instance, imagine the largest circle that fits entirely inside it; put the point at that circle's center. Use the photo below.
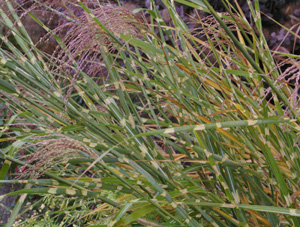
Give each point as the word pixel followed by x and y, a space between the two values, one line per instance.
pixel 121 126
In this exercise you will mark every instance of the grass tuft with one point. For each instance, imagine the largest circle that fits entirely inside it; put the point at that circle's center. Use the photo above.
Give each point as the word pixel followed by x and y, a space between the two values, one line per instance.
pixel 186 128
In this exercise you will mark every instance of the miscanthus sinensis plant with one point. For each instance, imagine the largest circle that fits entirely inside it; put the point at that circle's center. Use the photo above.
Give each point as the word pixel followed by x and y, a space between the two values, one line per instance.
pixel 182 128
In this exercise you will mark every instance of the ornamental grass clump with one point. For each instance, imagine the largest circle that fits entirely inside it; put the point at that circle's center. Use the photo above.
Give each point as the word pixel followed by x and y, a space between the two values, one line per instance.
pixel 180 132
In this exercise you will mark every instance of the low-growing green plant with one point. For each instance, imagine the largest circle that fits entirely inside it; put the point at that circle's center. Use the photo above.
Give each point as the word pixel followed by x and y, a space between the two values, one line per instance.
pixel 191 131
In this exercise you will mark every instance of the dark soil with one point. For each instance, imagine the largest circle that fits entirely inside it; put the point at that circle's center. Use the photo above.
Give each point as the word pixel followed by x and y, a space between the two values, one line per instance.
pixel 8 202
